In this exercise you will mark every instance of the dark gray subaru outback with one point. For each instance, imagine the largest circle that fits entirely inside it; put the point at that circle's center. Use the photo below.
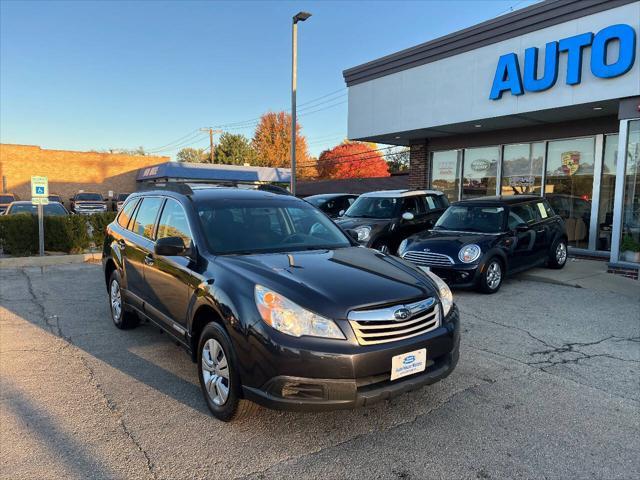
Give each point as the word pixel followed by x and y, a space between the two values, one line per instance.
pixel 274 302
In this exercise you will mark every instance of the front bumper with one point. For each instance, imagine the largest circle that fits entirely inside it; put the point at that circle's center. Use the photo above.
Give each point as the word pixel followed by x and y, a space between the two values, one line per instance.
pixel 370 369
pixel 461 276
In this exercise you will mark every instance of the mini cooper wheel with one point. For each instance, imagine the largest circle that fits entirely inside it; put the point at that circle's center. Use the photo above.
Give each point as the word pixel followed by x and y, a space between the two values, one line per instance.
pixel 121 316
pixel 558 255
pixel 491 277
pixel 218 376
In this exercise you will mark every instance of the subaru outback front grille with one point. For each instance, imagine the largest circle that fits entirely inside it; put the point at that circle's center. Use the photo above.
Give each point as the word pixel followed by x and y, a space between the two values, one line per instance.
pixel 429 259
pixel 395 323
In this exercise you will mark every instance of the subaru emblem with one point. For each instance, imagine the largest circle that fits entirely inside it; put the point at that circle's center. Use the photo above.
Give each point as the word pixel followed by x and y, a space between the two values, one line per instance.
pixel 402 314
pixel 426 250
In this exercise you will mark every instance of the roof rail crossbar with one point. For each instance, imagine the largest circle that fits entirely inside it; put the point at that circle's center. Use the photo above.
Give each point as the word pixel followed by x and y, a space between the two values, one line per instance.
pixel 177 187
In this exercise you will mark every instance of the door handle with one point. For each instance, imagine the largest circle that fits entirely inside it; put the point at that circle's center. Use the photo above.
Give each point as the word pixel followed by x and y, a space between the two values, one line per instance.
pixel 122 244
pixel 148 260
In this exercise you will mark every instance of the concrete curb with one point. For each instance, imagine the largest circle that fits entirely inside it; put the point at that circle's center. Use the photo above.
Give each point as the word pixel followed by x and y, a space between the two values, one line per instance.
pixel 46 261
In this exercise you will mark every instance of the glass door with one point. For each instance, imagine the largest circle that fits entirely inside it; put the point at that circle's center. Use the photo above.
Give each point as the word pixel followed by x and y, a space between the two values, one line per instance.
pixel 630 232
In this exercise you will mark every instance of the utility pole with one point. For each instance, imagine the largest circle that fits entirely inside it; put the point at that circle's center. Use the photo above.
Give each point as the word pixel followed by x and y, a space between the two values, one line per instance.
pixel 299 17
pixel 211 132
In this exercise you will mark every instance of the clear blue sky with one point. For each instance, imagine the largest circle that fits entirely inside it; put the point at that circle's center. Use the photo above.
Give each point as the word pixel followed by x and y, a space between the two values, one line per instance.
pixel 99 75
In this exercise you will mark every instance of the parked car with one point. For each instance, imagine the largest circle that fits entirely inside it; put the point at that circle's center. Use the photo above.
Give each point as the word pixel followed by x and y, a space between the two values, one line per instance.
pixel 383 219
pixel 55 198
pixel 275 303
pixel 119 201
pixel 88 202
pixel 6 199
pixel 51 209
pixel 332 203
pixel 476 243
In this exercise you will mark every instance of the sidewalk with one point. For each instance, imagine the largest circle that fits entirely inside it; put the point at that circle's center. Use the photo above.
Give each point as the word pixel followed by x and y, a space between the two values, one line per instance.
pixel 589 274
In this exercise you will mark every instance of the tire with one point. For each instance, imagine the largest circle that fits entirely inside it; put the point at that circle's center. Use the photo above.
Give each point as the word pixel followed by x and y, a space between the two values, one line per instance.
pixel 224 406
pixel 122 317
pixel 558 254
pixel 488 282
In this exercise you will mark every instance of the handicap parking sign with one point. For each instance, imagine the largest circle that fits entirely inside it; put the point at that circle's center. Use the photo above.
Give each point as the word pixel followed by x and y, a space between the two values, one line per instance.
pixel 39 186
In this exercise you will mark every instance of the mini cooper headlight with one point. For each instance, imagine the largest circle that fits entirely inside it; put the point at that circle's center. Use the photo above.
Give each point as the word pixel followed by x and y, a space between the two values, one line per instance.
pixel 364 233
pixel 446 297
pixel 469 253
pixel 285 316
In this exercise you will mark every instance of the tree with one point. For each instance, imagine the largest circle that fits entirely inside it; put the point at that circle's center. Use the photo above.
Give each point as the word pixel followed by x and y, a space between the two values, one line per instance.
pixel 352 160
pixel 192 155
pixel 234 149
pixel 398 160
pixel 272 143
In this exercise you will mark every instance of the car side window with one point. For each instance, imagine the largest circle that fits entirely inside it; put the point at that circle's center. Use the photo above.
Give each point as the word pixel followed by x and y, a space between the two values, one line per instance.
pixel 432 203
pixel 550 210
pixel 520 214
pixel 409 204
pixel 146 217
pixel 173 222
pixel 126 213
pixel 542 210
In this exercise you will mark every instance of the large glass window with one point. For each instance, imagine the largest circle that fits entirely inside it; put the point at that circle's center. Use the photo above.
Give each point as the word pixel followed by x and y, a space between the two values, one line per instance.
pixel 607 191
pixel 479 171
pixel 569 185
pixel 445 173
pixel 522 167
pixel 630 241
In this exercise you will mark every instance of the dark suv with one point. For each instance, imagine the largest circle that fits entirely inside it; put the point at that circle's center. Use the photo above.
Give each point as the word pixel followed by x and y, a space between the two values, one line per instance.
pixel 275 303
pixel 383 219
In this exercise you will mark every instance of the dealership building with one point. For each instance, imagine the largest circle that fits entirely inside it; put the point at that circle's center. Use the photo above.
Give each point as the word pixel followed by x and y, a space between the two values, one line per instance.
pixel 544 100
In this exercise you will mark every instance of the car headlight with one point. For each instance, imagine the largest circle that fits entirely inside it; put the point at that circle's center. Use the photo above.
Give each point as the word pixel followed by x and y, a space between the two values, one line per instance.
pixel 446 297
pixel 285 316
pixel 364 233
pixel 469 253
pixel 403 245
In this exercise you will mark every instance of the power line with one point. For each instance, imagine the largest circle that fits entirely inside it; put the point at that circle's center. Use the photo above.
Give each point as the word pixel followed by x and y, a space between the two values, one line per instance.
pixel 175 141
pixel 338 159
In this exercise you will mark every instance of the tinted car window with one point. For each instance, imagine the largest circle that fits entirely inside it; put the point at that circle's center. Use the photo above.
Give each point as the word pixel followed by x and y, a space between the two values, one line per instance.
pixel 253 226
pixel 91 197
pixel 521 214
pixel 146 217
pixel 173 222
pixel 6 198
pixel 467 218
pixel 374 207
pixel 126 213
pixel 410 204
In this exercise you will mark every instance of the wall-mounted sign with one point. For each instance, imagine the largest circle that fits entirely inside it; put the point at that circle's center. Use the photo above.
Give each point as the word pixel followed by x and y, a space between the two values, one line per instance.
pixel 480 165
pixel 508 78
pixel 570 162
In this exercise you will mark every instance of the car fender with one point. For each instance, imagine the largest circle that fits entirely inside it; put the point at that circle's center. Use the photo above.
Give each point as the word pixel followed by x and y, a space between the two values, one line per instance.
pixel 494 252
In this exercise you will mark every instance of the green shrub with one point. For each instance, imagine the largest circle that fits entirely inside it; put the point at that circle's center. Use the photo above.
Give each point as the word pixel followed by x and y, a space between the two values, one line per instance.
pixel 629 244
pixel 19 234
pixel 69 234
pixel 98 223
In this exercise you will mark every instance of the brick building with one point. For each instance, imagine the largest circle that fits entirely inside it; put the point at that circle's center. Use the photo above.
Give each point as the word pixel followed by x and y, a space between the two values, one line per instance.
pixel 69 171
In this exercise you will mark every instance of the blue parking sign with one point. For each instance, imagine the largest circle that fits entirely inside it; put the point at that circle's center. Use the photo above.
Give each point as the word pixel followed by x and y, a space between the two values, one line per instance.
pixel 40 190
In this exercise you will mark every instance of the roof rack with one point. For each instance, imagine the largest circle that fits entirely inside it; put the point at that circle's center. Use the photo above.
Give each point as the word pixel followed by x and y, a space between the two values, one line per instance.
pixel 177 187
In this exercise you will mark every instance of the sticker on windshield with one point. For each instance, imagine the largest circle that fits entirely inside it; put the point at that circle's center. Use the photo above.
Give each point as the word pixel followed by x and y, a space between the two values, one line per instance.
pixel 542 210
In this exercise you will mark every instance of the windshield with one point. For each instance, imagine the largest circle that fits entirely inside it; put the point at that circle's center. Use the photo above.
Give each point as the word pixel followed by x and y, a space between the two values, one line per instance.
pixel 6 198
pixel 122 197
pixel 266 226
pixel 466 218
pixel 50 209
pixel 92 197
pixel 317 201
pixel 373 207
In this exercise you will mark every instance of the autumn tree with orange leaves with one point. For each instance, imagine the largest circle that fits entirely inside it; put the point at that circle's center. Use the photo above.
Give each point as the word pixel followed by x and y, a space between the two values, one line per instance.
pixel 272 143
pixel 352 160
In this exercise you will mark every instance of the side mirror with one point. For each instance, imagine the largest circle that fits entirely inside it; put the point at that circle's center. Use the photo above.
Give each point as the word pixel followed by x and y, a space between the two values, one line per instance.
pixel 408 216
pixel 170 246
pixel 341 213
pixel 353 234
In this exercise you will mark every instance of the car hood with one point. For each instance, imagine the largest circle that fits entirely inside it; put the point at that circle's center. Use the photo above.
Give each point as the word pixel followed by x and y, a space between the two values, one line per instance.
pixel 333 282
pixel 447 242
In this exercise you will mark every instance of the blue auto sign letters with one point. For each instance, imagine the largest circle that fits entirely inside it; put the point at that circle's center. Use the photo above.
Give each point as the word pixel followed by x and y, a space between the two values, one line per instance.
pixel 508 78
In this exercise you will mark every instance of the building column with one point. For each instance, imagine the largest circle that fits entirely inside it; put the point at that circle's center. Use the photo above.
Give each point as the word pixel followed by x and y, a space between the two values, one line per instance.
pixel 419 165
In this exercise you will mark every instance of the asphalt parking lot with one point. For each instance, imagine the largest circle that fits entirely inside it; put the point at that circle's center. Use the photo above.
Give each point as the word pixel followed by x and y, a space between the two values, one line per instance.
pixel 548 386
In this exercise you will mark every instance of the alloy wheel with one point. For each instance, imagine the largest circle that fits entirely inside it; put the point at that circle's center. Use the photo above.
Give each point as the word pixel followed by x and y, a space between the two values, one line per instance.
pixel 116 300
pixel 494 275
pixel 561 253
pixel 215 372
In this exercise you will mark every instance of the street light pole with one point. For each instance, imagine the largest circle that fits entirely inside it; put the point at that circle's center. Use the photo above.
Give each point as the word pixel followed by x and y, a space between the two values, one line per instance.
pixel 299 17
